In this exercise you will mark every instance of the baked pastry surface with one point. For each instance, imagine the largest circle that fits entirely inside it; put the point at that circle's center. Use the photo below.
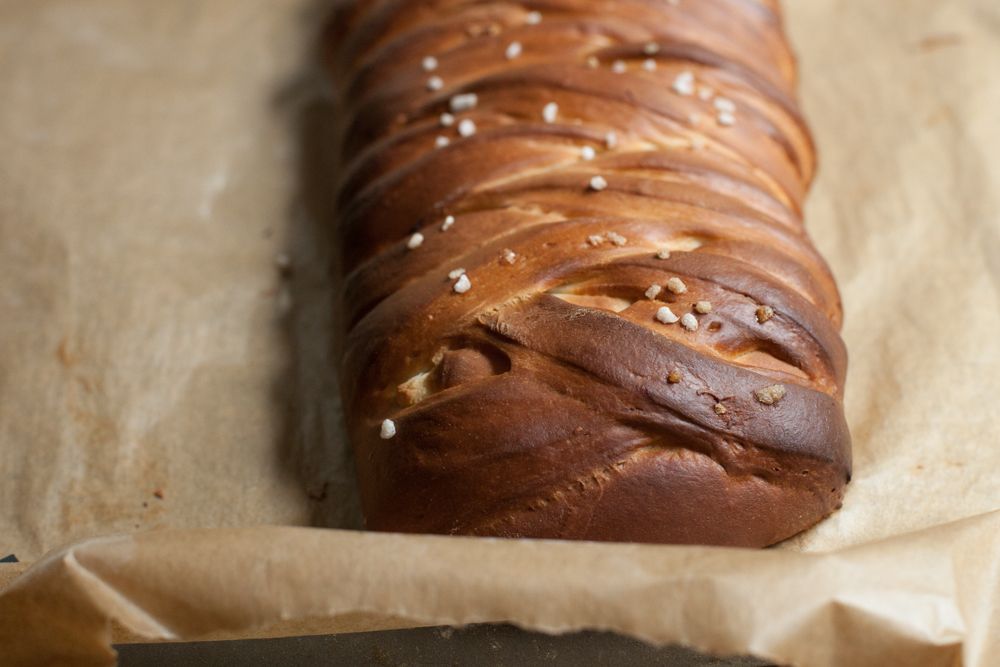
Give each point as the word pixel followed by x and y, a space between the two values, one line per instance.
pixel 580 301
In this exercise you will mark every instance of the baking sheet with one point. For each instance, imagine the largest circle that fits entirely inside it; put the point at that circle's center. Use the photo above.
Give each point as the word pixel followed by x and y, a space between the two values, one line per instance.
pixel 161 372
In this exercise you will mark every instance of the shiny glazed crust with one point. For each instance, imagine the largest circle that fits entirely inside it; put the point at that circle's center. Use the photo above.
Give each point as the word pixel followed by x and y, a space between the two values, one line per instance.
pixel 579 298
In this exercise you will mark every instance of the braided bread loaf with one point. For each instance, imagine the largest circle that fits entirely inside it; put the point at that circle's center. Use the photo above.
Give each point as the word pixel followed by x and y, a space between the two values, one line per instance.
pixel 580 301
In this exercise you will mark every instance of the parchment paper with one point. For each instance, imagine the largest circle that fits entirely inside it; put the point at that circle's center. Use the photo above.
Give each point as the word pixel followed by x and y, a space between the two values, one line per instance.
pixel 161 372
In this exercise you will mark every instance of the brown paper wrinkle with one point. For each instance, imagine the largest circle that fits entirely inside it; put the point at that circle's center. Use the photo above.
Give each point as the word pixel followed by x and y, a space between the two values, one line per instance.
pixel 161 377
pixel 125 609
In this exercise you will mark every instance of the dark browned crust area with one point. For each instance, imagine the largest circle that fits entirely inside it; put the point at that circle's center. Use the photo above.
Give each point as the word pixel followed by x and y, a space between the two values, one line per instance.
pixel 554 398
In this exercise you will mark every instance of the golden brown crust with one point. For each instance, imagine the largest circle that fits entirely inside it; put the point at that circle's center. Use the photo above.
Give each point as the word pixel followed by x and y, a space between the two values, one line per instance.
pixel 597 315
